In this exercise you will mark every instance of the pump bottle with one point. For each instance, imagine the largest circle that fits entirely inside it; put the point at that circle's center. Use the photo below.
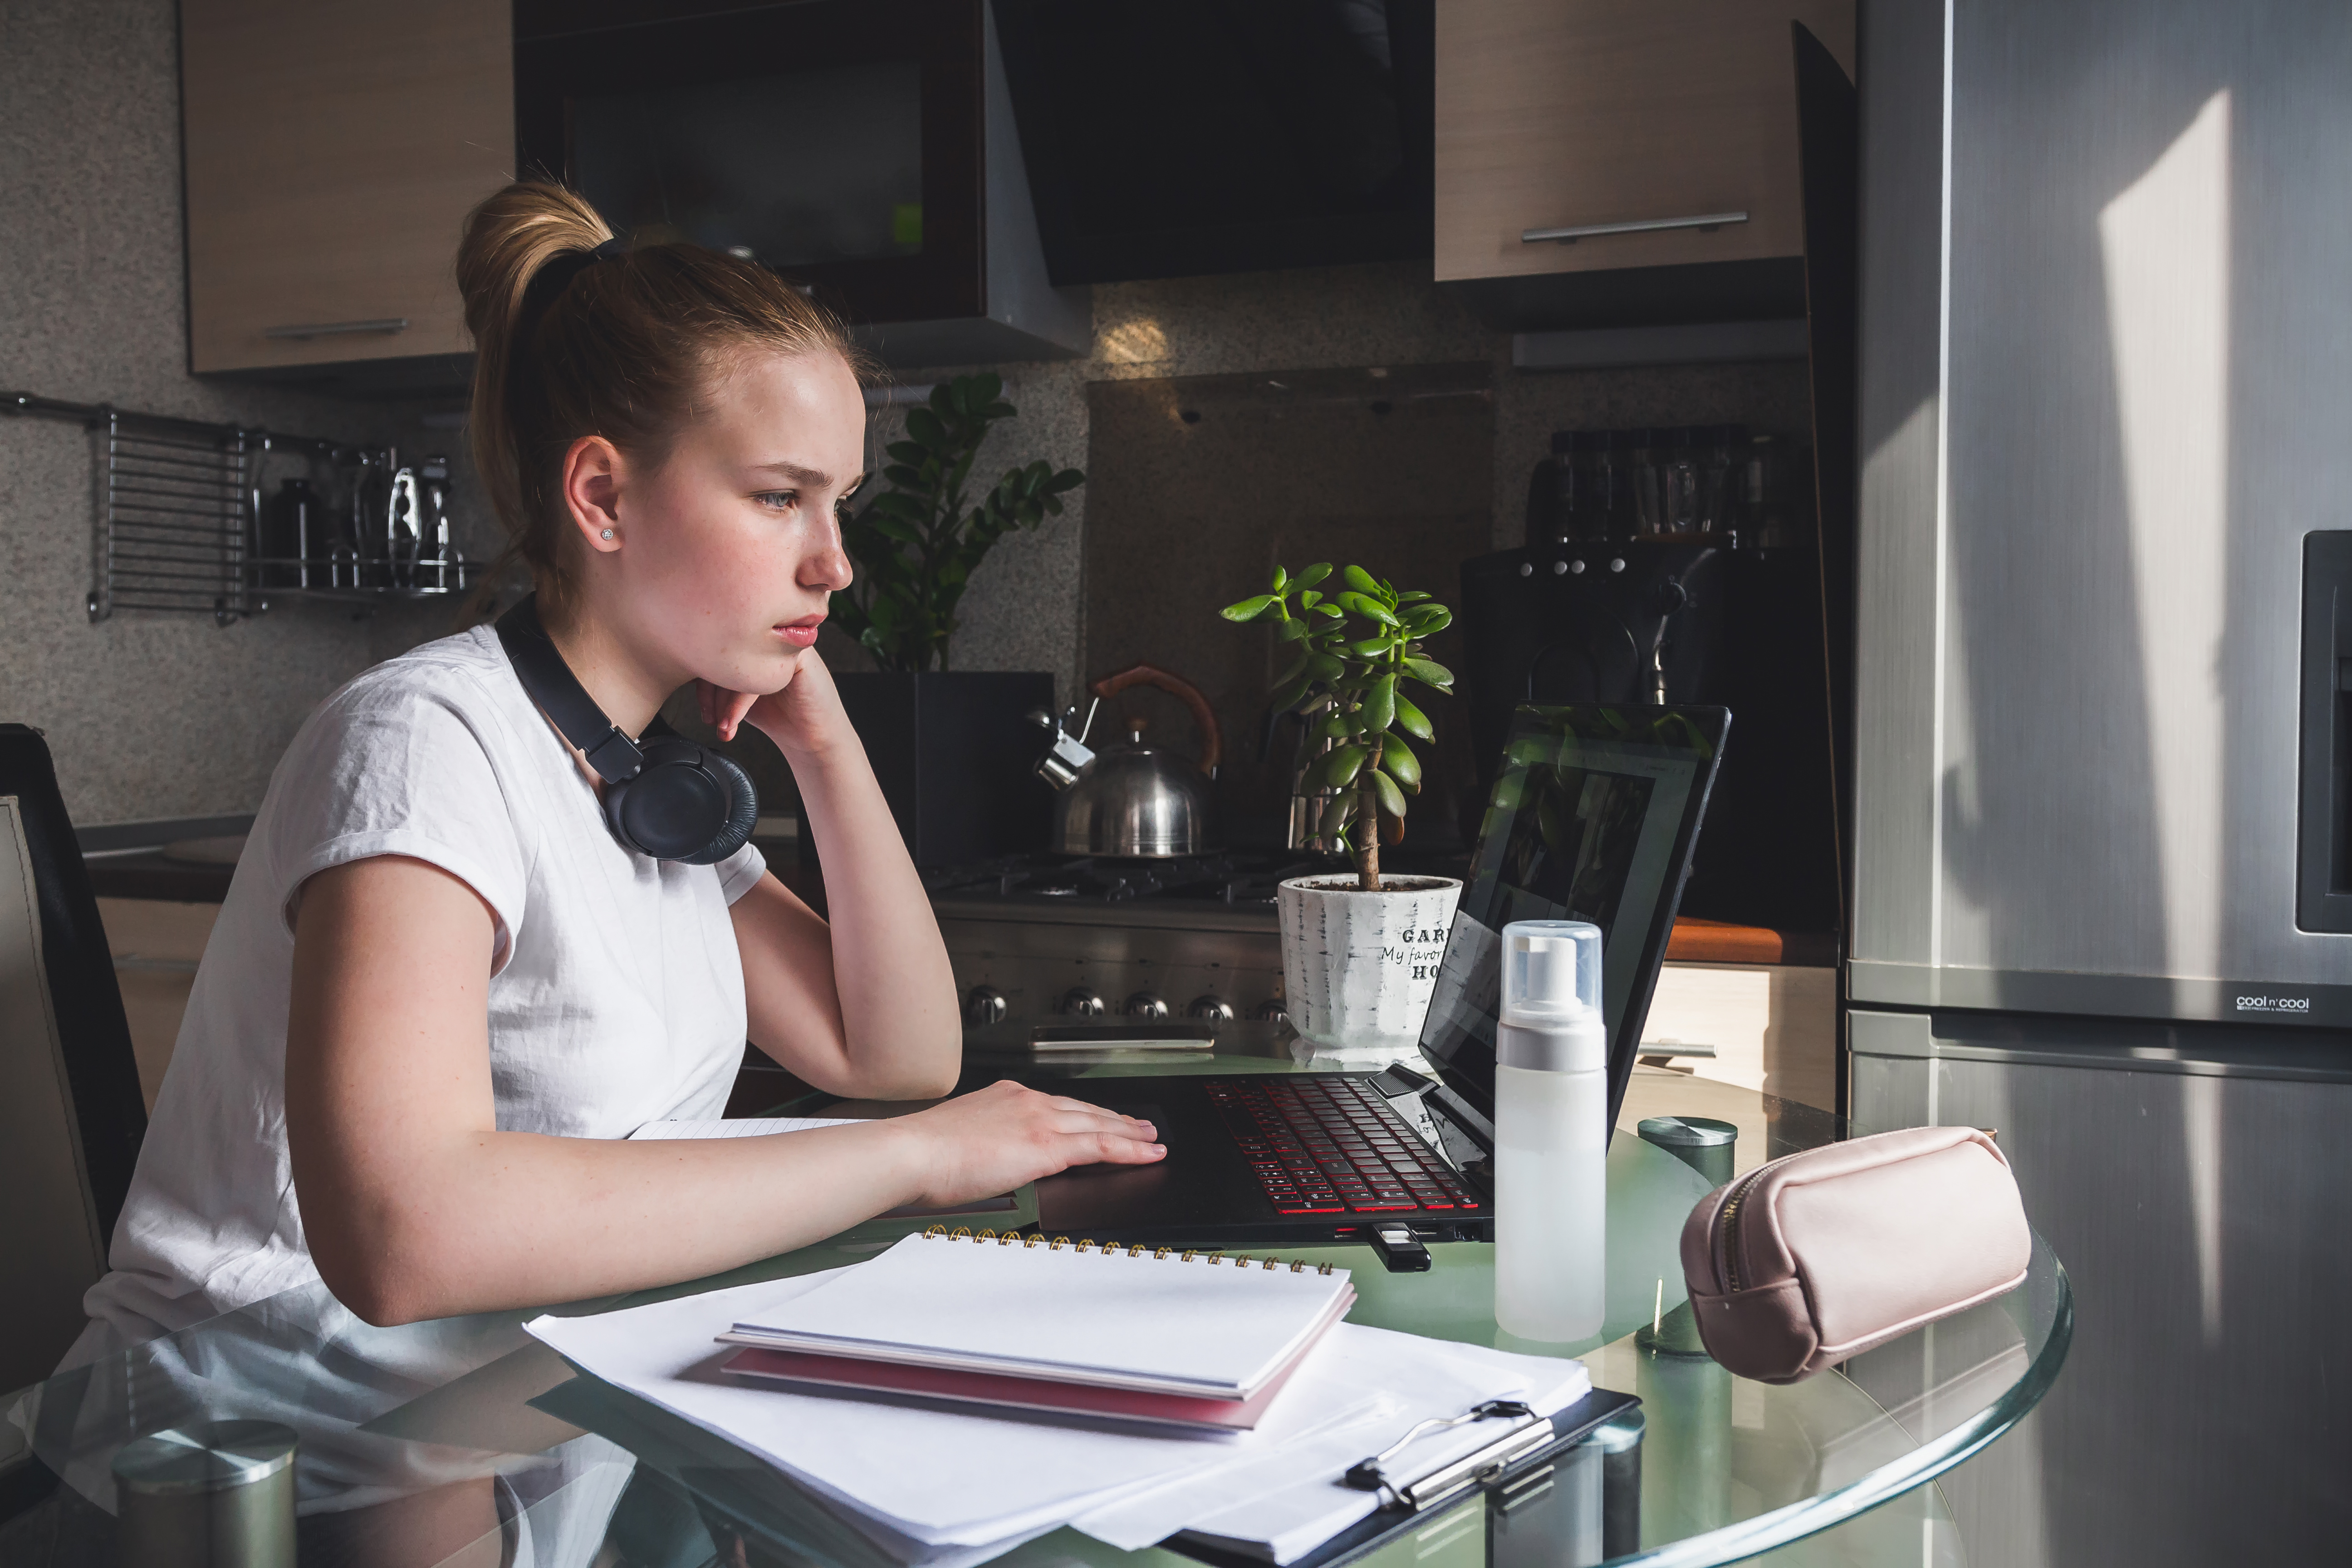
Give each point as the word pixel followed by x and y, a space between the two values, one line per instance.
pixel 1551 1135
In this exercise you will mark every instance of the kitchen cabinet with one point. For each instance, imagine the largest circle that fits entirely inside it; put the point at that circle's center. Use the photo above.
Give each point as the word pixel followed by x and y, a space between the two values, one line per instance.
pixel 1633 115
pixel 332 150
pixel 865 149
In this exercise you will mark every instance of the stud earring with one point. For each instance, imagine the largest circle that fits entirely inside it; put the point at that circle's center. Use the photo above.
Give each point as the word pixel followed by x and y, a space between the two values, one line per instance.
pixel 608 533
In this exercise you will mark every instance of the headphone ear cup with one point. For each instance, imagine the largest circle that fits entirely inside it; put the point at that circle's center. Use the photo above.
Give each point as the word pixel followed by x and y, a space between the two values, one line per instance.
pixel 742 813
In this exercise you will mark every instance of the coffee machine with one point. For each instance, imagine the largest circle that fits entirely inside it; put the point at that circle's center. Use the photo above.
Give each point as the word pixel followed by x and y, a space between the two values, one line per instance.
pixel 1674 567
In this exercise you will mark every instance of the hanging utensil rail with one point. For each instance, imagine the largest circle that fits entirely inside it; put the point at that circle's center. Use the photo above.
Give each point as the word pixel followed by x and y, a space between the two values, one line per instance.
pixel 179 508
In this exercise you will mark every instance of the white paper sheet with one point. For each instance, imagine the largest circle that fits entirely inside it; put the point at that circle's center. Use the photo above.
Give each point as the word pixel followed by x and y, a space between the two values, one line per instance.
pixel 741 1127
pixel 944 1478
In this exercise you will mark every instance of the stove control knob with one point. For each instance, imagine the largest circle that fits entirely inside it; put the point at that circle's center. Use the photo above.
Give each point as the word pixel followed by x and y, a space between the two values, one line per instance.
pixel 985 1005
pixel 1144 1004
pixel 1080 1003
pixel 1270 1011
pixel 1216 1009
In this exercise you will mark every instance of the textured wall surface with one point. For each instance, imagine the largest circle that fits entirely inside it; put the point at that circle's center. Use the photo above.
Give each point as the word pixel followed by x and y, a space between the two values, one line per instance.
pixel 148 715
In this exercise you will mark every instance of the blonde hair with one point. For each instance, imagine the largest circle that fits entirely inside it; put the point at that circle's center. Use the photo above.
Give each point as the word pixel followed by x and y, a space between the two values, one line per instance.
pixel 625 349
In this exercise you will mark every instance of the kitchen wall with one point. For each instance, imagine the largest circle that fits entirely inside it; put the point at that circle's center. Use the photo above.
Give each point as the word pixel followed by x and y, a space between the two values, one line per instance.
pixel 1025 609
pixel 147 715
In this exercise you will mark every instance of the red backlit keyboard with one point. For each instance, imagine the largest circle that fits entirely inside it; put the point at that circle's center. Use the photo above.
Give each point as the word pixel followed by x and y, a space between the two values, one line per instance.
pixel 1332 1145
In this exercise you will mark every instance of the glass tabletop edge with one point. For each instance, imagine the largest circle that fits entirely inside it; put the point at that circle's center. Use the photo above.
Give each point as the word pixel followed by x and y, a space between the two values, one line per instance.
pixel 1796 1520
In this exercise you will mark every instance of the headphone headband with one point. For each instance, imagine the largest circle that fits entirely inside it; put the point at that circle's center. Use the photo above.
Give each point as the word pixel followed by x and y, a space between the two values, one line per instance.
pixel 550 680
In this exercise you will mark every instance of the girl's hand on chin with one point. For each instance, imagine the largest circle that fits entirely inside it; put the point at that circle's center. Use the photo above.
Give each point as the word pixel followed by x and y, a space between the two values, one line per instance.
pixel 804 719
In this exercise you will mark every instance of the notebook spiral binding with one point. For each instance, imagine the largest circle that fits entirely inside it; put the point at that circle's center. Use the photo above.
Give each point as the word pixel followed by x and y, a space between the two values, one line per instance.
pixel 1087 1244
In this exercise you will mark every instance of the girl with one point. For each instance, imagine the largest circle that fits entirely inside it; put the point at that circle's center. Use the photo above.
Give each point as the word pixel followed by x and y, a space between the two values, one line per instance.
pixel 441 993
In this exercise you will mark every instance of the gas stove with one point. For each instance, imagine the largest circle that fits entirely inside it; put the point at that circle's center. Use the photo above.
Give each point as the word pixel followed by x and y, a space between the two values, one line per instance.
pixel 1077 937
pixel 1242 881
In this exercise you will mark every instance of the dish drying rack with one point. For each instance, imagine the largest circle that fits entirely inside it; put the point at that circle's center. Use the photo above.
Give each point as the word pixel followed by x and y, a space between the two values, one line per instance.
pixel 180 507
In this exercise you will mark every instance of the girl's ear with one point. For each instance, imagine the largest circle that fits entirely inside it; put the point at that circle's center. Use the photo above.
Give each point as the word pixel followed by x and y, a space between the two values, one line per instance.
pixel 593 477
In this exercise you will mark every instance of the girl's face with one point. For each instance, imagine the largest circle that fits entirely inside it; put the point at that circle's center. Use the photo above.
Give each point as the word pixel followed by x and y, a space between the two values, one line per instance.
pixel 723 557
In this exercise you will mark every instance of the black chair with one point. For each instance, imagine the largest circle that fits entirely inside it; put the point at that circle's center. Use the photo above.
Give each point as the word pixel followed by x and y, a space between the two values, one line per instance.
pixel 71 1118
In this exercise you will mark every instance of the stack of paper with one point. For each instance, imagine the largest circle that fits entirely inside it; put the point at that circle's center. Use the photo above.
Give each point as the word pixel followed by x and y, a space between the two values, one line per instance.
pixel 953 1487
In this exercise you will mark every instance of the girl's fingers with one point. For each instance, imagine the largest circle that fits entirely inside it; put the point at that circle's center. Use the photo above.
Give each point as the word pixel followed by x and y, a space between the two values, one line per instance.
pixel 733 706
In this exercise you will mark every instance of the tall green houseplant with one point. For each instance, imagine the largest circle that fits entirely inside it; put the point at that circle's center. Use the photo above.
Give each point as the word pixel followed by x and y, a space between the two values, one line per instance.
pixel 1358 648
pixel 917 543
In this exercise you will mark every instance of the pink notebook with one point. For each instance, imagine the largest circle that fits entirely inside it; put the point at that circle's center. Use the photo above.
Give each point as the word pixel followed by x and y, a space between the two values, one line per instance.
pixel 1045 1394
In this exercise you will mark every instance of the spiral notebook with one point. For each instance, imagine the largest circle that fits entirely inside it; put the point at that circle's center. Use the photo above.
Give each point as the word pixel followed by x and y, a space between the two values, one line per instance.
pixel 1154 1321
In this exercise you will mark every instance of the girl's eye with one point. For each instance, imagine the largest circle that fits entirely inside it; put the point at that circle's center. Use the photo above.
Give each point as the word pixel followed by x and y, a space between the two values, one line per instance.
pixel 779 500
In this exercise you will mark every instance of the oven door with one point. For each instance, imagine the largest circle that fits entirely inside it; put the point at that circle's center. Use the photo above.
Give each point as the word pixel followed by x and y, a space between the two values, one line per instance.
pixel 838 141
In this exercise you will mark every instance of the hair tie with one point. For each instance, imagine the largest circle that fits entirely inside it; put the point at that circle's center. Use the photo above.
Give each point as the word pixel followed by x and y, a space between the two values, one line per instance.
pixel 553 277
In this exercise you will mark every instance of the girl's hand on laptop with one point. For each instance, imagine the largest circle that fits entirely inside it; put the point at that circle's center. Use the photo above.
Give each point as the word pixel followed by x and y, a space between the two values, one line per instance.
pixel 978 1145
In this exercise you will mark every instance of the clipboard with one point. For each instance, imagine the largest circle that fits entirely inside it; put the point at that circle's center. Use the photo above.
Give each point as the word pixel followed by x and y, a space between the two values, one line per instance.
pixel 1414 1500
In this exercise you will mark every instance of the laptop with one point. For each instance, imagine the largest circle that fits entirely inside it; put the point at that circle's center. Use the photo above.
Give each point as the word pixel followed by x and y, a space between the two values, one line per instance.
pixel 1594 816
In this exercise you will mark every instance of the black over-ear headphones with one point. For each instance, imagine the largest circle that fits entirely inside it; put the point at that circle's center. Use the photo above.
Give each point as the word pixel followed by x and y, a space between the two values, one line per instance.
pixel 665 797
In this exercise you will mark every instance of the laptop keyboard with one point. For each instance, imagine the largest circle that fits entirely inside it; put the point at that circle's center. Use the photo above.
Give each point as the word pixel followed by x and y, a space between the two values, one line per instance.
pixel 1332 1145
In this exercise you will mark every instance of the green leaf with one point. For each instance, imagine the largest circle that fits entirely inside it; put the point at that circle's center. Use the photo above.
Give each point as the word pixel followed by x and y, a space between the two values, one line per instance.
pixel 1290 631
pixel 1310 599
pixel 1335 817
pixel 1429 672
pixel 1335 726
pixel 1412 721
pixel 1295 672
pixel 1281 579
pixel 893 528
pixel 1371 647
pixel 1398 762
pixel 1342 765
pixel 1247 610
pixel 1392 798
pixel 1286 695
pixel 1331 609
pixel 1379 705
pixel 1363 582
pixel 926 427
pixel 1429 620
pixel 1323 666
pixel 1371 609
pixel 1315 574
pixel 1409 598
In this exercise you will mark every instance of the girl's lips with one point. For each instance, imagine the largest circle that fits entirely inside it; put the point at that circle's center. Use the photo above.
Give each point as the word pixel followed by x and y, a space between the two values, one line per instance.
pixel 801 634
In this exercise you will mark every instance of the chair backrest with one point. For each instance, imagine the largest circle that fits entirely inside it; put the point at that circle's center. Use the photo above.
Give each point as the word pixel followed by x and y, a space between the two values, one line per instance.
pixel 70 1115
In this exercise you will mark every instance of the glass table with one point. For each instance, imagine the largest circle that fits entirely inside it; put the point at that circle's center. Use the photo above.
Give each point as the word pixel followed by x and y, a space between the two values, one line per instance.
pixel 481 1444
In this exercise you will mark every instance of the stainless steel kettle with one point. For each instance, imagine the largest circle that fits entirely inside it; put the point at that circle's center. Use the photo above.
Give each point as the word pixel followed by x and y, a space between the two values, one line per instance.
pixel 1131 801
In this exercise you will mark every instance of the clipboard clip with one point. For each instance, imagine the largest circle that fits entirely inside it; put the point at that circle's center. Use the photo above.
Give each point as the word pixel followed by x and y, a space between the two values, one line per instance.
pixel 1528 1434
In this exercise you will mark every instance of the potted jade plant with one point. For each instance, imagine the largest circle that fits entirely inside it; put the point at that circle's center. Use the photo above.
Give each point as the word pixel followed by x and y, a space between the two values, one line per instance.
pixel 951 748
pixel 1359 951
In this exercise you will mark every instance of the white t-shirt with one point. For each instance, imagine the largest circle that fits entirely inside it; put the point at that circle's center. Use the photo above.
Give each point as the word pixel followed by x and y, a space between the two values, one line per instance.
pixel 615 993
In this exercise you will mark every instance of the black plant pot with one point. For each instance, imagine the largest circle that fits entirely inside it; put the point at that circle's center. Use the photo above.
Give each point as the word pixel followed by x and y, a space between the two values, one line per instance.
pixel 956 757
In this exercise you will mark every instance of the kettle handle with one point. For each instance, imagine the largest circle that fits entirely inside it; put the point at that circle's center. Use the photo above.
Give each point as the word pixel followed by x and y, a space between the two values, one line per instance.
pixel 1212 739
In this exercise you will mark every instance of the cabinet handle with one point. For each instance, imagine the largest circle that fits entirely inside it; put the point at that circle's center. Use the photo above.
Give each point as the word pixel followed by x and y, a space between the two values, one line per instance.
pixel 1706 221
pixel 387 325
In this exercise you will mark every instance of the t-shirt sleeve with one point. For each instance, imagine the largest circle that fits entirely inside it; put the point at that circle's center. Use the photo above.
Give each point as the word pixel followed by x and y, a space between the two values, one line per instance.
pixel 740 872
pixel 400 772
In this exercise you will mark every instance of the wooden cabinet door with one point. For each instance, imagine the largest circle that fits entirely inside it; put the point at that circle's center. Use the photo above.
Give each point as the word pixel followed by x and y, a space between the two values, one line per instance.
pixel 1553 114
pixel 334 148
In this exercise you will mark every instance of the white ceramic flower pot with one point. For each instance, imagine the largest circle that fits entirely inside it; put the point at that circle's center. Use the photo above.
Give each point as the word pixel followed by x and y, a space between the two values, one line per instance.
pixel 1357 968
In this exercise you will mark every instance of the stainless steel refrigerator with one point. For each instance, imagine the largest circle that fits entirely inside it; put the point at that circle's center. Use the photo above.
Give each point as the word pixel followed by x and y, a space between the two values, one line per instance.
pixel 2101 850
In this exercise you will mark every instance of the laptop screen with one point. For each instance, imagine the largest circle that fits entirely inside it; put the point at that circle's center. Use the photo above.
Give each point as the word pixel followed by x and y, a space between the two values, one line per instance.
pixel 1593 817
